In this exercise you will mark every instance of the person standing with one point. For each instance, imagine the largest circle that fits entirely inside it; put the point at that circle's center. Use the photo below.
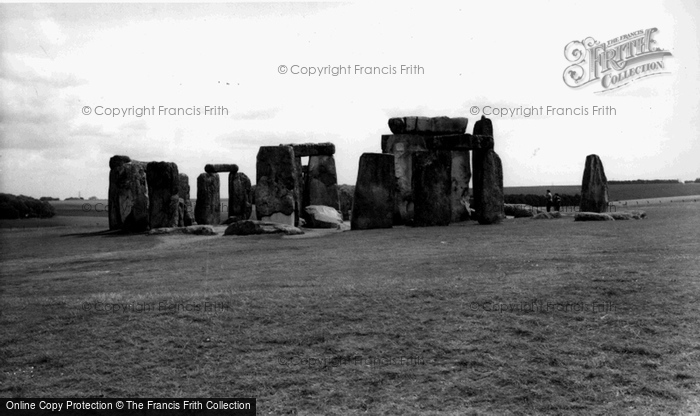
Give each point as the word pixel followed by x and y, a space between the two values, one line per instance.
pixel 557 202
pixel 548 195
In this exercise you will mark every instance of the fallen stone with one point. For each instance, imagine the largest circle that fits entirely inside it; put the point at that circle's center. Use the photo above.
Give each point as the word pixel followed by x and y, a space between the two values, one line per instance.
pixel 432 181
pixel 547 215
pixel 628 215
pixel 592 216
pixel 487 181
pixel 192 229
pixel 319 216
pixel 373 202
pixel 250 227
pixel 276 188
pixel 207 210
pixel 163 181
pixel 518 210
pixel 240 196
pixel 220 168
pixel 594 188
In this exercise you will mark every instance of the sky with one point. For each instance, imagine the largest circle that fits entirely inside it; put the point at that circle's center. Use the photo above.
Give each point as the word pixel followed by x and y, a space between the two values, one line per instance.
pixel 63 67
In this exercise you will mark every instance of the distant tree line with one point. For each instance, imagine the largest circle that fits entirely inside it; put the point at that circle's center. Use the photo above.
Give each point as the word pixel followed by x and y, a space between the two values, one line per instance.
pixel 49 198
pixel 13 207
pixel 541 200
pixel 644 181
pixel 695 181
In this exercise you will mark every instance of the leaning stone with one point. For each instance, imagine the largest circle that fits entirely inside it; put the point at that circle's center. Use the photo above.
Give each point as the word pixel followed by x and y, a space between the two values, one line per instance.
pixel 221 168
pixel 432 181
pixel 163 191
pixel 321 186
pixel 517 210
pixel 593 216
pixel 208 207
pixel 488 186
pixel 240 196
pixel 594 188
pixel 187 213
pixel 319 216
pixel 250 227
pixel 276 188
pixel 373 202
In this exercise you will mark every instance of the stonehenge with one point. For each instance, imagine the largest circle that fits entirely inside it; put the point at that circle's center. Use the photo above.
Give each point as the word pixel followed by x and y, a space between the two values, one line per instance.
pixel 420 178
pixel 415 135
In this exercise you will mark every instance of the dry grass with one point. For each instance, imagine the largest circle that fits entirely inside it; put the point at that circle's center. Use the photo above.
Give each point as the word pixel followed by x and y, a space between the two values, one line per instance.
pixel 321 325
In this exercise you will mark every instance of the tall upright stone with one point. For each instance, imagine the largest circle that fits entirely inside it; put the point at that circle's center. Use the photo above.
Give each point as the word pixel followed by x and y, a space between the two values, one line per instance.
pixel 403 147
pixel 432 183
pixel 461 175
pixel 373 203
pixel 488 186
pixel 163 191
pixel 132 197
pixel 240 198
pixel 321 183
pixel 186 216
pixel 113 213
pixel 594 188
pixel 276 190
pixel 208 207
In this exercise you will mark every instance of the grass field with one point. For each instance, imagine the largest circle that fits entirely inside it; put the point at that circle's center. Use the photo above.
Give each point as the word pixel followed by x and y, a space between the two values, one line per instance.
pixel 526 317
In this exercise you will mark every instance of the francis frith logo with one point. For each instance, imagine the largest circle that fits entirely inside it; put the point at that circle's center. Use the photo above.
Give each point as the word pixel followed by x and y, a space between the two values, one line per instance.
pixel 615 63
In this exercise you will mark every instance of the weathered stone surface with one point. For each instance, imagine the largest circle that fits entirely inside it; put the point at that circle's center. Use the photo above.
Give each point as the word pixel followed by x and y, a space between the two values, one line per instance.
pixel 428 125
pixel 403 147
pixel 547 215
pixel 594 188
pixel 461 175
pixel 192 229
pixel 446 142
pixel 250 227
pixel 312 149
pixel 208 207
pixel 592 216
pixel 319 216
pixel 276 189
pixel 321 186
pixel 186 214
pixel 117 160
pixel 488 186
pixel 240 196
pixel 128 198
pixel 345 194
pixel 628 215
pixel 163 181
pixel 216 168
pixel 432 183
pixel 518 210
pixel 373 203
pixel 483 127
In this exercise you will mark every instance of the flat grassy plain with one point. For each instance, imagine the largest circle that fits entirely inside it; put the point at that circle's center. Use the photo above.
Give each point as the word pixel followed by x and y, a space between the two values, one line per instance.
pixel 618 192
pixel 525 317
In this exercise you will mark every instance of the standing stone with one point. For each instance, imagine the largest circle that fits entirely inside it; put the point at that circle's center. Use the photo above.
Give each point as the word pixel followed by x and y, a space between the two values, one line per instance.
pixel 112 199
pixel 163 190
pixel 186 205
pixel 594 188
pixel 208 207
pixel 483 127
pixel 373 203
pixel 301 172
pixel 321 183
pixel 403 147
pixel 461 175
pixel 488 186
pixel 276 191
pixel 132 197
pixel 240 197
pixel 432 182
